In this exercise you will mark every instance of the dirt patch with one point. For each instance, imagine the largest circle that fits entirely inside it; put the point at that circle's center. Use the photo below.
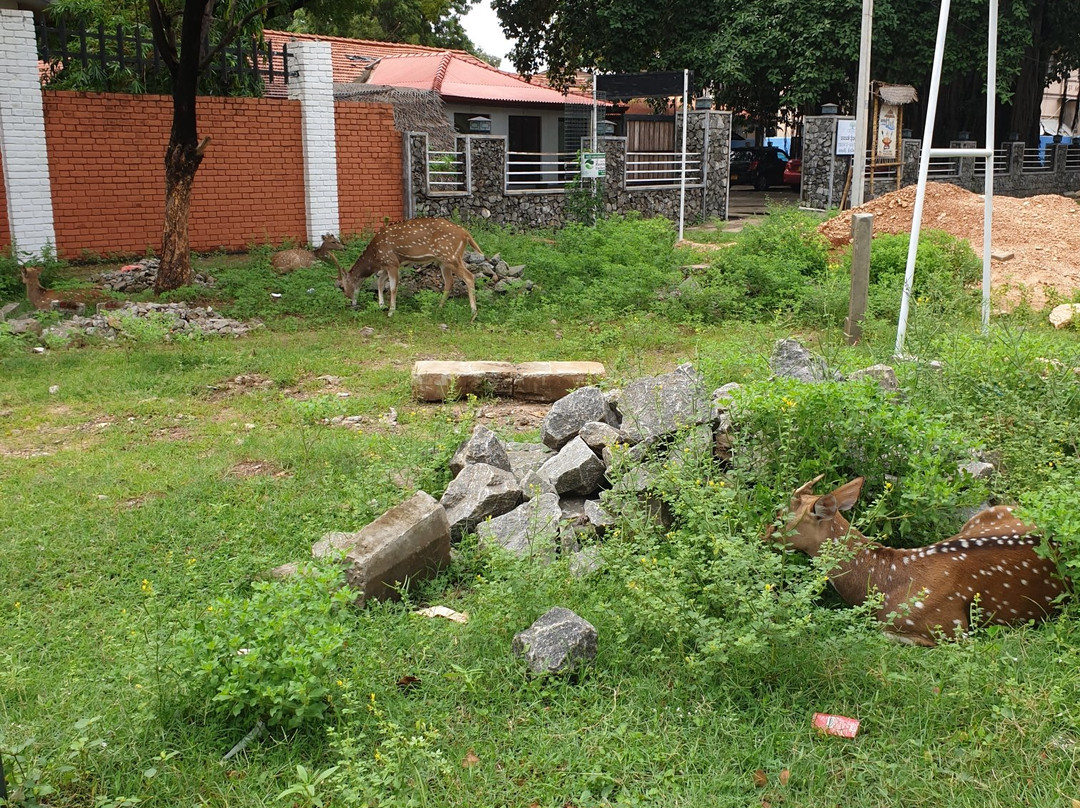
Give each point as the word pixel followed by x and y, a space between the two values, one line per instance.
pixel 521 417
pixel 257 468
pixel 1041 232
pixel 244 383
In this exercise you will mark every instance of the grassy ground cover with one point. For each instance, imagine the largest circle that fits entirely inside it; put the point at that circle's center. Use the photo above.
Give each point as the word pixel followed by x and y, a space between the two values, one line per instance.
pixel 147 485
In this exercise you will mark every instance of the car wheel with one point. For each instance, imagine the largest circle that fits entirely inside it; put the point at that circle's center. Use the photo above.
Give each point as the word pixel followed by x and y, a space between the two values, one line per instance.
pixel 761 183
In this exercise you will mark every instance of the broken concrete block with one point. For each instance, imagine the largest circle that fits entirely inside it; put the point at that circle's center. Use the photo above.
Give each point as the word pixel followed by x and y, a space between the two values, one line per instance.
pixel 660 405
pixel 1002 255
pixel 483 446
pixel 571 412
pixel 558 642
pixel 438 381
pixel 529 529
pixel 478 492
pixel 574 470
pixel 550 381
pixel 409 542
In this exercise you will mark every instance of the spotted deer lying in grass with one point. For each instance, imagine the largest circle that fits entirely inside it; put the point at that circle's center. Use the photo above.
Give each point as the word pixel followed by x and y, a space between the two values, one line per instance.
pixel 929 592
pixel 416 241
pixel 288 260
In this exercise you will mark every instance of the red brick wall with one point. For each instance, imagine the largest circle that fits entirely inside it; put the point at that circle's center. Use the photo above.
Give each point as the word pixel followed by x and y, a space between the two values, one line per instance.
pixel 106 162
pixel 369 166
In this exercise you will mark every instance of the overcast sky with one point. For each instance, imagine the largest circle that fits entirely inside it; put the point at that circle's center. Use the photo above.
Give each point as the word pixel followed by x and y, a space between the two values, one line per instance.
pixel 482 26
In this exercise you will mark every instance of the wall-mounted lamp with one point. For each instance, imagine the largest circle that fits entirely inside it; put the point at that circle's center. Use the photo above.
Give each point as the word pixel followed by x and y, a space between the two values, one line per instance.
pixel 830 109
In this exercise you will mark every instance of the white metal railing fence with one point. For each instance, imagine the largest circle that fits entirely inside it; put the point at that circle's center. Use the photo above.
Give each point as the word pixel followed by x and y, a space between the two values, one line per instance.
pixel 663 169
pixel 941 167
pixel 1038 159
pixel 446 172
pixel 541 171
pixel 1072 157
pixel 1001 163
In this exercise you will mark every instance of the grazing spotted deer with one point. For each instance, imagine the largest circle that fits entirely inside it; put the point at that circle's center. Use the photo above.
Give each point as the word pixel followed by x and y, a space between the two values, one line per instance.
pixel 288 260
pixel 416 241
pixel 929 591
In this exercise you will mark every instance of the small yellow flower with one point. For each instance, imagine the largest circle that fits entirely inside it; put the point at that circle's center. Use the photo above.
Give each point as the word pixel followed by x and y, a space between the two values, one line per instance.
pixel 209 608
pixel 340 683
pixel 18 605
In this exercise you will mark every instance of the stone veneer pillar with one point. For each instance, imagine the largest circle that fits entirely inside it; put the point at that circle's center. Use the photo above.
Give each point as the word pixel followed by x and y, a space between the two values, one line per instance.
pixel 314 89
pixel 22 139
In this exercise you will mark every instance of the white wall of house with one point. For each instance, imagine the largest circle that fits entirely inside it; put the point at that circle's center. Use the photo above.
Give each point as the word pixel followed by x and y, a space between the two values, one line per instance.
pixel 500 120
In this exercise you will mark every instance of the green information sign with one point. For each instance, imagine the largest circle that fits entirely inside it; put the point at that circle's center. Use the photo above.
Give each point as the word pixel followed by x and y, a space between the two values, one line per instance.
pixel 593 165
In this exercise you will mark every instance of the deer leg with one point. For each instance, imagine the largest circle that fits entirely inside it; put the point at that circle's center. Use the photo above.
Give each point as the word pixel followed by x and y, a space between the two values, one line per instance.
pixel 392 276
pixel 470 284
pixel 447 283
pixel 380 280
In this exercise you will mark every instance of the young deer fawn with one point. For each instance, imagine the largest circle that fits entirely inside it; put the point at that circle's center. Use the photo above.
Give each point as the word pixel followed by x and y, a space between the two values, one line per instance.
pixel 929 591
pixel 416 241
pixel 47 299
pixel 288 260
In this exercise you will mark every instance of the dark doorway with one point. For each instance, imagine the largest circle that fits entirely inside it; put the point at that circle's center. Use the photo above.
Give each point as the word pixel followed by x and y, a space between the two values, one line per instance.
pixel 524 136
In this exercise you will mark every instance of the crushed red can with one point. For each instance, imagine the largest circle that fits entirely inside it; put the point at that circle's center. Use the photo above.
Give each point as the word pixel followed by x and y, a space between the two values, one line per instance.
pixel 836 725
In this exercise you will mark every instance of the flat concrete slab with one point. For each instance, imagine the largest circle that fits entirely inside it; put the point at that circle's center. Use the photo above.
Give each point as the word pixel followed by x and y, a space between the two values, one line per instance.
pixel 539 382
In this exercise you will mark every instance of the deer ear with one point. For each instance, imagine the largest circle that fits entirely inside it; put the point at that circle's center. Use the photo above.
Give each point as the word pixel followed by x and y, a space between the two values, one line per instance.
pixel 848 494
pixel 825 507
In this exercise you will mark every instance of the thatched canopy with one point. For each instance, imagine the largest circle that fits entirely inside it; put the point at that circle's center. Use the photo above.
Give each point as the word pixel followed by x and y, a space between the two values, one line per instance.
pixel 897 93
pixel 414 110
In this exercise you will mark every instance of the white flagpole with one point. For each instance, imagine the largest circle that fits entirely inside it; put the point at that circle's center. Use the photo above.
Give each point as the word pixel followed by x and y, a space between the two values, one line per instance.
pixel 682 180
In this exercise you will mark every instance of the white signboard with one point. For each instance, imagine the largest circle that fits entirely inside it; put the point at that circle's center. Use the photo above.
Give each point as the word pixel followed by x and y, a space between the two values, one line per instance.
pixel 845 137
pixel 593 165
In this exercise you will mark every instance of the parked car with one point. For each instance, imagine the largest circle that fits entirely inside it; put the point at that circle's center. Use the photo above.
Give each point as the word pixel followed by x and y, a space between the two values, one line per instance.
pixel 793 173
pixel 760 166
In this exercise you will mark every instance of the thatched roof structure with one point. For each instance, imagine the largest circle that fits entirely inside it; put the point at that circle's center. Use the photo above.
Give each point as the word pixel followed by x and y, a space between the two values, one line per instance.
pixel 414 110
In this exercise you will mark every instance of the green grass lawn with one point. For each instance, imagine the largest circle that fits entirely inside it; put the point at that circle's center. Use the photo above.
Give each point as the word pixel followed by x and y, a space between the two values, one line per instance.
pixel 143 481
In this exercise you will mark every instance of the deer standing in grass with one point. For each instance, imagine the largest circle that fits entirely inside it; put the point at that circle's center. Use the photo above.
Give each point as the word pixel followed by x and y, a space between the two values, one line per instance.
pixel 929 591
pixel 47 299
pixel 416 241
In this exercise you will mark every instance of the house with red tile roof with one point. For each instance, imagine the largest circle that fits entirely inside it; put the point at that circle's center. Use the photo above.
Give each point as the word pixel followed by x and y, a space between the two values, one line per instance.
pixel 533 117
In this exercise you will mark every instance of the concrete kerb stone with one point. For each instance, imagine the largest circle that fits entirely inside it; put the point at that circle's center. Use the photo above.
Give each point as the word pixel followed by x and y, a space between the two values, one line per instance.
pixel 411 541
pixel 538 382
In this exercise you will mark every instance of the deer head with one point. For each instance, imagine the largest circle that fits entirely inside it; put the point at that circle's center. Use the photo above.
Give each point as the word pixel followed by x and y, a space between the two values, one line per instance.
pixel 810 520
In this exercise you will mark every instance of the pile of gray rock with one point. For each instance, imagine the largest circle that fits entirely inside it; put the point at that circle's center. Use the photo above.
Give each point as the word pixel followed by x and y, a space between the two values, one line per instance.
pixel 497 271
pixel 179 317
pixel 139 277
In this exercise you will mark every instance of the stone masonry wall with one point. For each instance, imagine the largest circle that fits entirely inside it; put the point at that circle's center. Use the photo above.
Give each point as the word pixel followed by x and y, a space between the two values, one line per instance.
pixel 485 195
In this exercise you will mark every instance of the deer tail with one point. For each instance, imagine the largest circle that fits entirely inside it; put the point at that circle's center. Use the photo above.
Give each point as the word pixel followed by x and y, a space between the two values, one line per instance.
pixel 472 241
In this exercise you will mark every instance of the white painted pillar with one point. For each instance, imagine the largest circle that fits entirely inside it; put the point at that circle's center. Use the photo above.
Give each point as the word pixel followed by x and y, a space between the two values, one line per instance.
pixel 314 89
pixel 22 139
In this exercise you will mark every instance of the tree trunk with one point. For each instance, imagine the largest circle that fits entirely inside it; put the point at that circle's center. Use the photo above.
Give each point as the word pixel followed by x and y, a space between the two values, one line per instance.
pixel 185 152
pixel 181 163
pixel 1027 97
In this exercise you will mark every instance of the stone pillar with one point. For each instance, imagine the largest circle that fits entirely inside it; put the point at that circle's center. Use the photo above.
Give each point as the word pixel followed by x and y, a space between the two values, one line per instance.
pixel 709 132
pixel 22 139
pixel 314 89
pixel 823 172
pixel 910 153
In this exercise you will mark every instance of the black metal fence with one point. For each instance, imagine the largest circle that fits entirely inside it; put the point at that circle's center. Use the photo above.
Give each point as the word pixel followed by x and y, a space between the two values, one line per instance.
pixel 77 57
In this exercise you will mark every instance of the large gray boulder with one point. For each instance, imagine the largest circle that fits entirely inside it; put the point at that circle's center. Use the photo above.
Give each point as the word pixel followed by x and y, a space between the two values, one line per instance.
pixel 483 446
pixel 409 542
pixel 571 412
pixel 659 405
pixel 558 642
pixel 598 435
pixel 530 529
pixel 479 491
pixel 791 360
pixel 574 470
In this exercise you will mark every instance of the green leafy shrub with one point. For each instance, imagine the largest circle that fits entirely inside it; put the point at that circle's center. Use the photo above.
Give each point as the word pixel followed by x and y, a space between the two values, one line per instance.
pixel 1053 508
pixel 788 432
pixel 270 655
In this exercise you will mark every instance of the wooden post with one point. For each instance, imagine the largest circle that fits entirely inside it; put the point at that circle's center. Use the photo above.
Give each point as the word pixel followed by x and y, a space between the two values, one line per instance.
pixel 862 231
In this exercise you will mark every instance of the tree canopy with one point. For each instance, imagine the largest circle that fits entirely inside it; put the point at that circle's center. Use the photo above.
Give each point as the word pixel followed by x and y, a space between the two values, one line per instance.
pixel 765 57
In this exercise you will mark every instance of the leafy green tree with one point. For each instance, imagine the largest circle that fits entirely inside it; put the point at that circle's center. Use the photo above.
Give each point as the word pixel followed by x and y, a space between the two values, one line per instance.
pixel 764 56
pixel 419 22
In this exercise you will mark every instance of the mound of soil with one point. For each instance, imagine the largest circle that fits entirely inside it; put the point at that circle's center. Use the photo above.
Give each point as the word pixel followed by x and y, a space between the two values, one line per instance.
pixel 1041 232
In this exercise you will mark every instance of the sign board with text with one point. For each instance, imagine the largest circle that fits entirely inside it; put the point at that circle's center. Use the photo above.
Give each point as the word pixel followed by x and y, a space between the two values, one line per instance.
pixel 593 165
pixel 845 137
